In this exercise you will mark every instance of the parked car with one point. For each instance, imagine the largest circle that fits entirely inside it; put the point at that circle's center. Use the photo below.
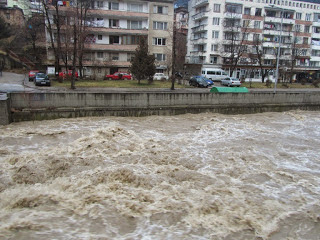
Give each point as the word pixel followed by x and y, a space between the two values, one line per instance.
pixel 231 81
pixel 42 79
pixel 160 76
pixel 118 76
pixel 200 81
pixel 32 74
pixel 64 74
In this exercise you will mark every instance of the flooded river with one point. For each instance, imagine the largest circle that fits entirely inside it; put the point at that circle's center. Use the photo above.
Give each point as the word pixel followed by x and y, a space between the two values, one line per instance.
pixel 205 176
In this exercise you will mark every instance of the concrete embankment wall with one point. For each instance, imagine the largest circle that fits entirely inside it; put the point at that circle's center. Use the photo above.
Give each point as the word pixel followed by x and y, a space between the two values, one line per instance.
pixel 39 106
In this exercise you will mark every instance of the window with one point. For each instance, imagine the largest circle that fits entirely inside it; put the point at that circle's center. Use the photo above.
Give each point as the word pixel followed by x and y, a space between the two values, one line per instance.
pixel 233 8
pixel 160 9
pixel 305 40
pixel 130 40
pixel 216 7
pixel 114 56
pixel 114 39
pixel 135 7
pixel 159 41
pixel 160 56
pixel 99 54
pixel 100 4
pixel 216 21
pixel 134 24
pixel 113 6
pixel 215 34
pixel 246 23
pixel 160 25
pixel 99 37
pixel 213 60
pixel 306 29
pixel 247 11
pixel 308 17
pixel 258 12
pixel 245 36
pixel 257 24
pixel 214 47
pixel 113 23
pixel 298 15
pixel 256 37
pixel 298 28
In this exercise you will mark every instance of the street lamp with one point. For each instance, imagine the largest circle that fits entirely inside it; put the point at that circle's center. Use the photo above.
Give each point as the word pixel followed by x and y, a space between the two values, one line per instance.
pixel 278 53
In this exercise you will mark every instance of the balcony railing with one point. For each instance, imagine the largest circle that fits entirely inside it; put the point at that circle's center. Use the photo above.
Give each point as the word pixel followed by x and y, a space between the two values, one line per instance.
pixel 199 3
pixel 200 15
pixel 200 28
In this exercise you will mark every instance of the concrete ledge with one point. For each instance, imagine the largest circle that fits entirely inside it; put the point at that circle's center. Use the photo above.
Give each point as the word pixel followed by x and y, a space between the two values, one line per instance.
pixel 41 106
pixel 5 114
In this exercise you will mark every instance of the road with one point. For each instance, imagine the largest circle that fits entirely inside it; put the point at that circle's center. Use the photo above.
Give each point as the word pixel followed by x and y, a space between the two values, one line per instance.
pixel 13 82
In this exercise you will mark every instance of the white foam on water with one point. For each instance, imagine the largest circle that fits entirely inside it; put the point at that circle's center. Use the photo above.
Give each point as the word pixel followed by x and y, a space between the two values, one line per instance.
pixel 205 176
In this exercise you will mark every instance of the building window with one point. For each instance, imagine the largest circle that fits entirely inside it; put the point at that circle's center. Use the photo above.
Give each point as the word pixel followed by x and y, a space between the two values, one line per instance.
pixel 213 60
pixel 99 37
pixel 215 34
pixel 216 21
pixel 99 54
pixel 99 70
pixel 114 39
pixel 256 37
pixel 135 7
pixel 308 17
pixel 135 24
pixel 216 7
pixel 113 23
pixel 130 57
pixel 258 12
pixel 160 25
pixel 160 9
pixel 100 4
pixel 114 56
pixel 306 29
pixel 160 56
pixel 298 15
pixel 214 47
pixel 305 40
pixel 247 11
pixel 246 23
pixel 159 41
pixel 113 6
pixel 257 24
pixel 298 28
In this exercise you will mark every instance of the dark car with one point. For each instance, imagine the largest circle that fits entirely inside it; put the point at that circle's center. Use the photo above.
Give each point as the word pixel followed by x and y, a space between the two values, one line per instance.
pixel 199 81
pixel 42 79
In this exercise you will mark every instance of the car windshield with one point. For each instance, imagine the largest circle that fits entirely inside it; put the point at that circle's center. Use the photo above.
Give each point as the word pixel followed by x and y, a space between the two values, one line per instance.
pixel 41 75
pixel 234 79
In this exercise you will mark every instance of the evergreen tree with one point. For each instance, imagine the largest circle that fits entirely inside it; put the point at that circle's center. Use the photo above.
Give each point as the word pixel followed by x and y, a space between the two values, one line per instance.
pixel 142 65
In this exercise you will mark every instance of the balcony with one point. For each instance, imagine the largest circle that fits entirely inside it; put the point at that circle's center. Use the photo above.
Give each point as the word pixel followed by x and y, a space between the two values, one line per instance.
pixel 316 23
pixel 200 3
pixel 120 31
pixel 111 47
pixel 3 2
pixel 200 28
pixel 200 15
pixel 278 20
pixel 316 35
pixel 233 15
pixel 104 63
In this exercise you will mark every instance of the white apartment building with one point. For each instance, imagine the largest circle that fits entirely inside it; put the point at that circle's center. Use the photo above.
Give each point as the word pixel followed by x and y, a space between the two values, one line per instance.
pixel 296 23
pixel 115 28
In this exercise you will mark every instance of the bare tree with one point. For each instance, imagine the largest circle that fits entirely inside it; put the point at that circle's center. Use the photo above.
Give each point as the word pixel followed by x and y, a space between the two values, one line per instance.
pixel 235 38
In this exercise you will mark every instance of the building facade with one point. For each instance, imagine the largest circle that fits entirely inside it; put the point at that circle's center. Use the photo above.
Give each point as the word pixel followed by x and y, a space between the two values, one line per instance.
pixel 113 33
pixel 239 35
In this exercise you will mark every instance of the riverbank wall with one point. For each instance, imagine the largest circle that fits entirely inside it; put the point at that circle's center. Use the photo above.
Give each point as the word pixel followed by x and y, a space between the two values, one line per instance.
pixel 52 105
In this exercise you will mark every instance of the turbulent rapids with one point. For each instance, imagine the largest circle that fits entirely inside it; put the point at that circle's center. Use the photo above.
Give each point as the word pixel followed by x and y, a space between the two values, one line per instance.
pixel 205 176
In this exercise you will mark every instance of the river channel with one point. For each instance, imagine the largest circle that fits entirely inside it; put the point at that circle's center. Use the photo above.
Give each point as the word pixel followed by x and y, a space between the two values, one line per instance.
pixel 204 176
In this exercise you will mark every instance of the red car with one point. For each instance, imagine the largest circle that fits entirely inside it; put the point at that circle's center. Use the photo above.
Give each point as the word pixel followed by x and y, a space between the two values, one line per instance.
pixel 32 74
pixel 118 76
pixel 69 73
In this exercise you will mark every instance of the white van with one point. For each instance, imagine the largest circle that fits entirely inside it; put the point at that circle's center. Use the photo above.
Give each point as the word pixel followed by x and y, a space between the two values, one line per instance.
pixel 214 74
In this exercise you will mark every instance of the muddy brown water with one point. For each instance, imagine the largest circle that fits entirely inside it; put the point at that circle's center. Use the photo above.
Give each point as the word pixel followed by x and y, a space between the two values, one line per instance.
pixel 204 176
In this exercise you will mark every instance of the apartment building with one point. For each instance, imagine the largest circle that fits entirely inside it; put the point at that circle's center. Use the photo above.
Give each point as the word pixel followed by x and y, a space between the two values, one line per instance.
pixel 114 30
pixel 296 23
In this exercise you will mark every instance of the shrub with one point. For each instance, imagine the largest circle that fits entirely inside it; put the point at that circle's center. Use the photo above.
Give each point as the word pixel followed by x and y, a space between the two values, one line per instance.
pixel 316 83
pixel 268 83
pixel 303 81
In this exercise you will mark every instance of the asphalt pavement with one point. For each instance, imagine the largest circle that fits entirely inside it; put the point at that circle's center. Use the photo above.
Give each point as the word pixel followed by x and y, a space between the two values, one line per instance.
pixel 13 82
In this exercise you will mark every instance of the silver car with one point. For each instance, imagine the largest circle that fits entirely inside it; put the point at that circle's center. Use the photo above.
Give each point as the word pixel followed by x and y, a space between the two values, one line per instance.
pixel 231 81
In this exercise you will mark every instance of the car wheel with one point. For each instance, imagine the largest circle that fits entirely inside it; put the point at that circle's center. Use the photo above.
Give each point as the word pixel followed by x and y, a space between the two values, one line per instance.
pixel 229 85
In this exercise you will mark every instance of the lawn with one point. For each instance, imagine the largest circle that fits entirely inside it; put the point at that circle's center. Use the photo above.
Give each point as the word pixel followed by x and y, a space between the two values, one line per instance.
pixel 118 84
pixel 162 84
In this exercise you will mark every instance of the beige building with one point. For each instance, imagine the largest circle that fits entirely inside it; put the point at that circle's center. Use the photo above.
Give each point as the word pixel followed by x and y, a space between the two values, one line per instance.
pixel 114 30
